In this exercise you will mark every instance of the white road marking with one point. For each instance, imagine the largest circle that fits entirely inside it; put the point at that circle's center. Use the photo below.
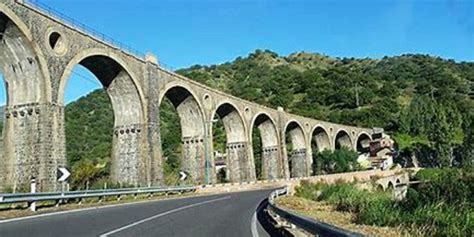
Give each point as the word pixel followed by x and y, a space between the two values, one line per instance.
pixel 160 215
pixel 254 225
pixel 90 208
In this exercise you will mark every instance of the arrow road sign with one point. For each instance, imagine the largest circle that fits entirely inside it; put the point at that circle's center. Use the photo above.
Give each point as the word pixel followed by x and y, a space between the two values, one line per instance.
pixel 182 175
pixel 64 174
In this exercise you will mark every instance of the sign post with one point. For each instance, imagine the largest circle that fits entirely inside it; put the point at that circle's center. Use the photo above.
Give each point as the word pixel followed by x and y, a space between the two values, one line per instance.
pixel 33 190
pixel 62 176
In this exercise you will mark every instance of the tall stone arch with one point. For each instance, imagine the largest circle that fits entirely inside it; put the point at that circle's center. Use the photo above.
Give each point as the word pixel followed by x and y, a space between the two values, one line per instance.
pixel 342 139
pixel 238 162
pixel 319 141
pixel 193 130
pixel 297 159
pixel 320 138
pixel 30 144
pixel 128 162
pixel 272 167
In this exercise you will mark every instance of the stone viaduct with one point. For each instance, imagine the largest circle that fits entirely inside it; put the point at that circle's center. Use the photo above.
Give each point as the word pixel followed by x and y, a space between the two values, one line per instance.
pixel 37 54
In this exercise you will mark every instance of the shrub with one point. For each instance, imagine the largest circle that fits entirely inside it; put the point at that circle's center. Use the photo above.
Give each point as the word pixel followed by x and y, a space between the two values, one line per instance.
pixel 447 185
pixel 338 161
pixel 441 207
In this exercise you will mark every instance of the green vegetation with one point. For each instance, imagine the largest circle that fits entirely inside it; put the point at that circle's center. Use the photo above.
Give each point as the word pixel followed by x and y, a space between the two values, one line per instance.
pixel 442 206
pixel 328 162
pixel 425 102
pixel 89 133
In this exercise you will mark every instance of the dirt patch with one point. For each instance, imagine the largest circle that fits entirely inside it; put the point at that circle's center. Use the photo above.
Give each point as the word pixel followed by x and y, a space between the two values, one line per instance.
pixel 324 212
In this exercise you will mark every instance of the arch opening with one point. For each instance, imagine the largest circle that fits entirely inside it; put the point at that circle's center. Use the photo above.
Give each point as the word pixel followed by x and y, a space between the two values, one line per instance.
pixel 18 62
pixel 390 186
pixel 296 149
pixel 182 137
pixel 103 129
pixel 237 160
pixel 319 142
pixel 265 148
pixel 343 140
pixel 363 143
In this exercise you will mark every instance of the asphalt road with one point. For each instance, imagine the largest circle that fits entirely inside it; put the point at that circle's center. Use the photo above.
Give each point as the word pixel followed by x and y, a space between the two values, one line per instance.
pixel 217 215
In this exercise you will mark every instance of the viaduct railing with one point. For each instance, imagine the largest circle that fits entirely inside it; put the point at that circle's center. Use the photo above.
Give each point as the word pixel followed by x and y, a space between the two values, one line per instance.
pixel 307 224
pixel 74 24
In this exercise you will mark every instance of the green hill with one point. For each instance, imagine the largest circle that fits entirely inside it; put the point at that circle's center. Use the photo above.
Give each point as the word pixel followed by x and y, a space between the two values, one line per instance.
pixel 361 92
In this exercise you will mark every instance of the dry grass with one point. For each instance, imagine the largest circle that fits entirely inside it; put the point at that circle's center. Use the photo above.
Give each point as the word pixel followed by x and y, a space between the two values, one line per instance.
pixel 324 212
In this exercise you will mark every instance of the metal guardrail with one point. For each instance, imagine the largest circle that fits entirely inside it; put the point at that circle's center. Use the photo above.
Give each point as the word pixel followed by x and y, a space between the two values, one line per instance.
pixel 59 196
pixel 309 225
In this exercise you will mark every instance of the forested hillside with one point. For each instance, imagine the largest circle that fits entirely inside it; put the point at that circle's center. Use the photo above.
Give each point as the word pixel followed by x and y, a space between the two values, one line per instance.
pixel 425 102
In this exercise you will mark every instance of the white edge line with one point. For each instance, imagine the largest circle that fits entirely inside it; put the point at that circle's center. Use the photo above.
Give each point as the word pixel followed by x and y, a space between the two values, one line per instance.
pixel 254 225
pixel 160 215
pixel 94 208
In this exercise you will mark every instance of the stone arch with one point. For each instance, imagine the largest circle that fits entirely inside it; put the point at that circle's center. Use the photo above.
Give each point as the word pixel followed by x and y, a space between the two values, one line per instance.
pixel 390 186
pixel 30 148
pixel 319 141
pixel 380 187
pixel 320 137
pixel 297 159
pixel 192 124
pixel 271 162
pixel 22 59
pixel 237 142
pixel 342 139
pixel 125 96
pixel 108 67
pixel 363 142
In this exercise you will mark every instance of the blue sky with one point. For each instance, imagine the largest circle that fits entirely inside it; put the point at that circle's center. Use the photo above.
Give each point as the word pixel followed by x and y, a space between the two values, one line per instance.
pixel 183 33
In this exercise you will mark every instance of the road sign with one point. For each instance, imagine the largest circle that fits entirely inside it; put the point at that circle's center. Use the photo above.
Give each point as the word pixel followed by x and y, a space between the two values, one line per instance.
pixel 182 175
pixel 63 174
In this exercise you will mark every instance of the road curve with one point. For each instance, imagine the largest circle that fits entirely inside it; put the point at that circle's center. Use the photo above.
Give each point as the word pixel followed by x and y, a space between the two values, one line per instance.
pixel 215 215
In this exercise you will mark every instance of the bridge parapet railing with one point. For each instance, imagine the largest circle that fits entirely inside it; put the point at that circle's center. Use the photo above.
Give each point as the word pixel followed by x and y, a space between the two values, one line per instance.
pixel 307 224
pixel 76 25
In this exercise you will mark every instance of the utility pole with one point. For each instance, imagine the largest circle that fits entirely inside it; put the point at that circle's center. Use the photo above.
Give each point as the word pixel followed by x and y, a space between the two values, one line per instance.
pixel 357 95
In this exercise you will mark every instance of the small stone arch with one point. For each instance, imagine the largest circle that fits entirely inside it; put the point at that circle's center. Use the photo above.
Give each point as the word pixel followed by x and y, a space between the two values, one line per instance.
pixel 390 186
pixel 363 142
pixel 342 139
pixel 380 187
pixel 297 158
pixel 271 162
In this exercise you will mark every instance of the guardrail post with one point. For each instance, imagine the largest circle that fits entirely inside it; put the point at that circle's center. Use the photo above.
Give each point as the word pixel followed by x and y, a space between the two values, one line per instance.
pixel 33 190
